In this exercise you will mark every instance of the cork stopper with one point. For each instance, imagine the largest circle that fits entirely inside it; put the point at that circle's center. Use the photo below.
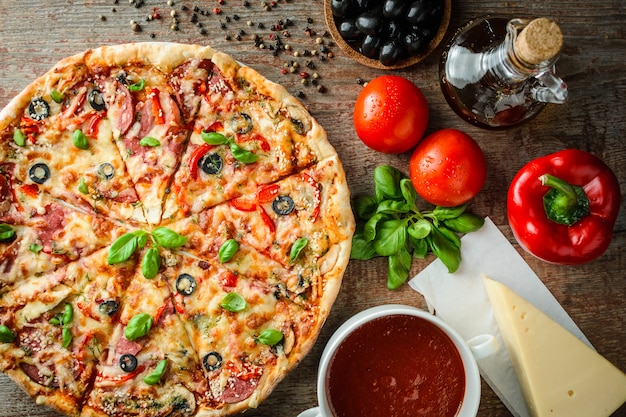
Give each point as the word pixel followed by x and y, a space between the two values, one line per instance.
pixel 539 41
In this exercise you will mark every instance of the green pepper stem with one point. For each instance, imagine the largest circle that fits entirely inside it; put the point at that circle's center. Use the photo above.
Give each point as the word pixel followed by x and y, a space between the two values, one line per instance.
pixel 564 203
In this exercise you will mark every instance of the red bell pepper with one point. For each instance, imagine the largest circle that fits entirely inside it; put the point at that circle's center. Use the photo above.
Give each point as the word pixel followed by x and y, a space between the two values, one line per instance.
pixel 562 207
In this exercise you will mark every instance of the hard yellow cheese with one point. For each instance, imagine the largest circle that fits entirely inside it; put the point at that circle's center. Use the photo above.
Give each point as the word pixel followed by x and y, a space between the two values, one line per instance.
pixel 560 376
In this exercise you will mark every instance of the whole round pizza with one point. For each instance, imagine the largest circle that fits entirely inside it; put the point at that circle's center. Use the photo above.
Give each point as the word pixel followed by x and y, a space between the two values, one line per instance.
pixel 173 232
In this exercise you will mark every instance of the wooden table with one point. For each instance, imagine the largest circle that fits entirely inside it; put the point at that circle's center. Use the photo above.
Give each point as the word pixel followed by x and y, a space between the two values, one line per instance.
pixel 35 35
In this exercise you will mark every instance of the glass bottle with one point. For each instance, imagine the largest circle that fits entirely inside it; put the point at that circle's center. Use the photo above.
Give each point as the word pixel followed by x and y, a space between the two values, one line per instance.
pixel 497 72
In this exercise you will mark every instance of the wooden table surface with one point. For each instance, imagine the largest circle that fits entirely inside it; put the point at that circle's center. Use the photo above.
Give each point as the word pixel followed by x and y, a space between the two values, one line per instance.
pixel 35 35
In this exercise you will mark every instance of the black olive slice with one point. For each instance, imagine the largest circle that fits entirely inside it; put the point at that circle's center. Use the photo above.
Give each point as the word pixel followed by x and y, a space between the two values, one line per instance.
pixel 39 173
pixel 283 205
pixel 96 100
pixel 122 78
pixel 128 362
pixel 185 284
pixel 212 361
pixel 106 171
pixel 108 307
pixel 241 123
pixel 38 109
pixel 211 163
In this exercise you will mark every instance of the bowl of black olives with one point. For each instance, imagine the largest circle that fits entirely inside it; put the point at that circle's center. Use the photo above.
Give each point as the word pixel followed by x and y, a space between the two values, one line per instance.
pixel 387 34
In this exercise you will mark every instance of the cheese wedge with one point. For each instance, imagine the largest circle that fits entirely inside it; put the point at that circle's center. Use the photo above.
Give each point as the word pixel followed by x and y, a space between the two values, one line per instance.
pixel 560 376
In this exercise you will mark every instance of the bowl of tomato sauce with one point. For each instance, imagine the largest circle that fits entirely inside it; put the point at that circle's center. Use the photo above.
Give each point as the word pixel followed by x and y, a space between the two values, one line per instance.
pixel 397 361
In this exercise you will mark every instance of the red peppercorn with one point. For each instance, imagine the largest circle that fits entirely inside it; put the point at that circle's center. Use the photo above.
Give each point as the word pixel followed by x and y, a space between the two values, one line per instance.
pixel 217 10
pixel 284 71
pixel 220 2
pixel 304 74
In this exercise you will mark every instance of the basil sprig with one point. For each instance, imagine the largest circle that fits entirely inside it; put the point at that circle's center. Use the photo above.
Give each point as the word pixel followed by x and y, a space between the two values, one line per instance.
pixel 390 224
pixel 239 153
pixel 228 250
pixel 64 319
pixel 6 334
pixel 6 232
pixel 125 246
pixel 297 247
pixel 80 139
pixel 270 337
pixel 233 302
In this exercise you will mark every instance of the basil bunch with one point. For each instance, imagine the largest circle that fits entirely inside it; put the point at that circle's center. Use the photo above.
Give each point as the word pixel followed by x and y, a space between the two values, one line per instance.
pixel 64 319
pixel 239 153
pixel 390 224
pixel 124 247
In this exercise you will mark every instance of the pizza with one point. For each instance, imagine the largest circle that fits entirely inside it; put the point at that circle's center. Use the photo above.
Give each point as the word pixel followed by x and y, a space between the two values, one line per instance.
pixel 174 229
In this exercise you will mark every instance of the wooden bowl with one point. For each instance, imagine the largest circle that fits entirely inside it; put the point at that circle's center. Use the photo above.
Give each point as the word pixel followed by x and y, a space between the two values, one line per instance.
pixel 374 63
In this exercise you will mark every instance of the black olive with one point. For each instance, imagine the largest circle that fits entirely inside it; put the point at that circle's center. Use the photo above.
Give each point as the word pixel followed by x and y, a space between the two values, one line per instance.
pixel 368 23
pixel 212 361
pixel 371 46
pixel 241 123
pixel 39 173
pixel 395 29
pixel 108 307
pixel 417 12
pixel 106 171
pixel 414 42
pixel 96 100
pixel 211 163
pixel 349 31
pixel 283 205
pixel 128 362
pixel 365 5
pixel 185 284
pixel 341 8
pixel 122 78
pixel 38 109
pixel 393 8
pixel 391 52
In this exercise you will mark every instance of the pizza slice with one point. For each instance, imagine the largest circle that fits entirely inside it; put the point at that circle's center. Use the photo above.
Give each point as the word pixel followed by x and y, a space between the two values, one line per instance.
pixel 61 143
pixel 297 229
pixel 42 235
pixel 246 336
pixel 148 128
pixel 247 132
pixel 150 367
pixel 55 329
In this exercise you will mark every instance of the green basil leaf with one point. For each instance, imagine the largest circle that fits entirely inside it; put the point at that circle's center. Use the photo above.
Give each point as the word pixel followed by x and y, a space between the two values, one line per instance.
pixel 399 266
pixel 19 138
pixel 362 249
pixel 155 376
pixel 371 226
pixel 387 183
pixel 67 337
pixel 142 238
pixel 138 326
pixel 55 320
pixel 392 207
pixel 122 249
pixel 80 140
pixel 82 187
pixel 420 229
pixel 35 248
pixel 408 192
pixel 391 237
pixel 228 250
pixel 445 250
pixel 451 236
pixel 243 155
pixel 151 263
pixel 233 302
pixel 297 248
pixel 365 207
pixel 6 232
pixel 168 238
pixel 420 247
pixel 444 213
pixel 270 337
pixel 465 223
pixel 6 334
pixel 149 141
pixel 213 138
pixel 68 314
pixel 56 96
pixel 138 86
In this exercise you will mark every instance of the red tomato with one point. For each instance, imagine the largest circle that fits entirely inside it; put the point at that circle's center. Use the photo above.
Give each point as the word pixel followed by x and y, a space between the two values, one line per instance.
pixel 448 168
pixel 390 114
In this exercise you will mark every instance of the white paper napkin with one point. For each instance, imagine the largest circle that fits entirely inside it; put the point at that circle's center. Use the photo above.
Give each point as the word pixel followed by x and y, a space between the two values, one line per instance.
pixel 461 301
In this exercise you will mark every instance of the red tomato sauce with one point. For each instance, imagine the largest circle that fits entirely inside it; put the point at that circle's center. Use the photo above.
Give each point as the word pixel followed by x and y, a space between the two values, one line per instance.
pixel 396 366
